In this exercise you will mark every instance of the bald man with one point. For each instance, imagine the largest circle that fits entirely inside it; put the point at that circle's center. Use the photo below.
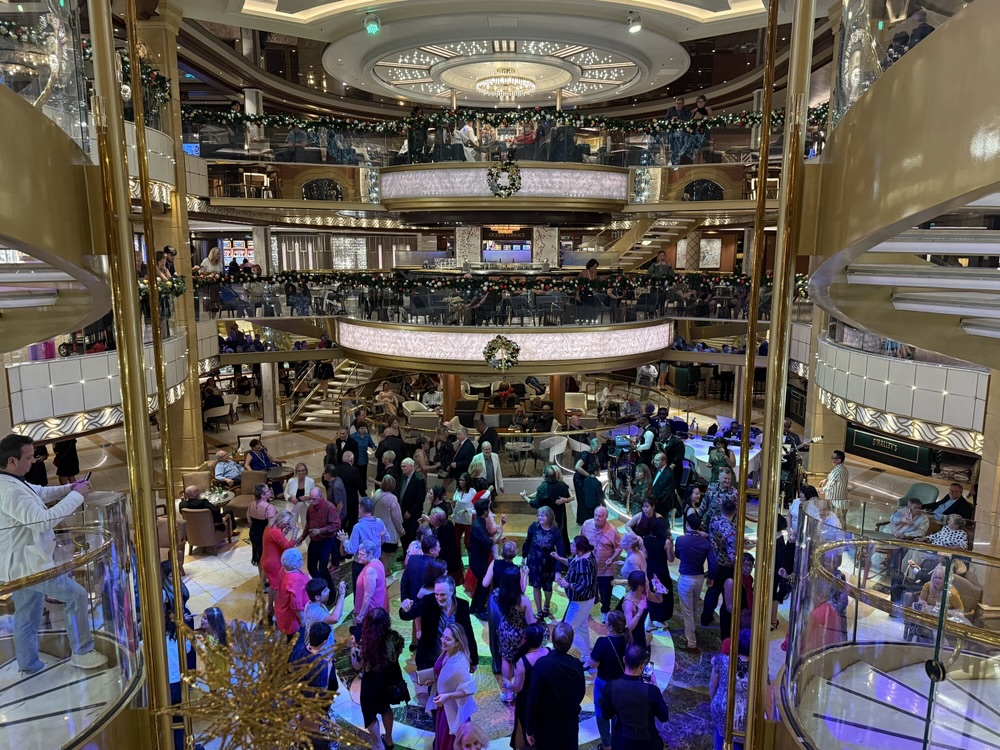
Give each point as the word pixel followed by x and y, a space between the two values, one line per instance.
pixel 224 520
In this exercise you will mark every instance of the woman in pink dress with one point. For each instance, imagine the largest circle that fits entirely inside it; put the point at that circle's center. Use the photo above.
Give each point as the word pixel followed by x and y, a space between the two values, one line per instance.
pixel 275 542
pixel 292 597
pixel 453 688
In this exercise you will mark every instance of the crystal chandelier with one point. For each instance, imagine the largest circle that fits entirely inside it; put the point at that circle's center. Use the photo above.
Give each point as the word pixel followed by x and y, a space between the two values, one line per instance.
pixel 506 84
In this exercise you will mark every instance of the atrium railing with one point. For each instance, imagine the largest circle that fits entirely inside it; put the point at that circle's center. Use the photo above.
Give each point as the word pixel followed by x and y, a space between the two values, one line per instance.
pixel 94 558
pixel 886 641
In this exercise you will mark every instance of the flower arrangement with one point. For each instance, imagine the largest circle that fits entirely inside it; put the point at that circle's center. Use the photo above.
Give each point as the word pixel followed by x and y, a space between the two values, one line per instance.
pixel 501 353
pixel 500 188
pixel 505 394
pixel 175 286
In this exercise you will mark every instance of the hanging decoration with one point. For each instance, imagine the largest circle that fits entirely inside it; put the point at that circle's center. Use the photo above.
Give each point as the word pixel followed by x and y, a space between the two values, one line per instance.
pixel 498 186
pixel 501 353
pixel 496 118
pixel 153 81
pixel 174 287
pixel 21 34
pixel 618 282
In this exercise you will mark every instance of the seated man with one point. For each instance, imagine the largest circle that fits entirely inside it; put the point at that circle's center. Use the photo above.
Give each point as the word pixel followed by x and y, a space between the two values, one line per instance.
pixel 227 470
pixel 194 501
pixel 909 522
pixel 953 502
pixel 296 137
pixel 629 411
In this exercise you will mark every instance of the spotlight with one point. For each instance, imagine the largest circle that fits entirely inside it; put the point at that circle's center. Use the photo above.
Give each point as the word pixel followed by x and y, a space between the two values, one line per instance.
pixel 633 22
pixel 372 24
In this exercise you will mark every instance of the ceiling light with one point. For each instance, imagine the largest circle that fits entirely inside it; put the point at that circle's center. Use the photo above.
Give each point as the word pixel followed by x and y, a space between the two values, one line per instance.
pixel 633 22
pixel 506 84
pixel 373 24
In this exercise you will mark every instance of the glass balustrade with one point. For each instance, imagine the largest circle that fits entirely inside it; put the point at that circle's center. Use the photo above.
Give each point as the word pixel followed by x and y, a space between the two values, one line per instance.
pixel 82 598
pixel 873 36
pixel 890 640
pixel 41 60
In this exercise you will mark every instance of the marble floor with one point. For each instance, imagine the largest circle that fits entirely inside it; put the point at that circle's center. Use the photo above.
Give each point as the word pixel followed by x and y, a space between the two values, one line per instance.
pixel 229 581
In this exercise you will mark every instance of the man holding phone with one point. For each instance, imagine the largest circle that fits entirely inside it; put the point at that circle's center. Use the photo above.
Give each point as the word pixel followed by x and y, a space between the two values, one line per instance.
pixel 27 545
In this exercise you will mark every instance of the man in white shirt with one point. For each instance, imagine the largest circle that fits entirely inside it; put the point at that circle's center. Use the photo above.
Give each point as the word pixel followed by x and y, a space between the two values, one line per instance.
pixel 470 143
pixel 27 546
pixel 433 398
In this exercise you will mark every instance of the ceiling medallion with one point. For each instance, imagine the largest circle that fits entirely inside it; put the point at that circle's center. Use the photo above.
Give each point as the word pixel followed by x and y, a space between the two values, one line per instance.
pixel 506 85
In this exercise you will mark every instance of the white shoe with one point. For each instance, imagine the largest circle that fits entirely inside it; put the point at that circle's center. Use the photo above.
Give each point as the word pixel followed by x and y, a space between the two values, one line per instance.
pixel 89 660
pixel 604 618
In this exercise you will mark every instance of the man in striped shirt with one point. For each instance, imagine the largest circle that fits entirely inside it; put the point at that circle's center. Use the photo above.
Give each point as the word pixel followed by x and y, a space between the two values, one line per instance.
pixel 580 584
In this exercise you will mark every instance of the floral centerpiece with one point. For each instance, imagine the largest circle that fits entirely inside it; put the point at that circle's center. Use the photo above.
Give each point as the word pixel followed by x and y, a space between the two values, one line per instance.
pixel 505 394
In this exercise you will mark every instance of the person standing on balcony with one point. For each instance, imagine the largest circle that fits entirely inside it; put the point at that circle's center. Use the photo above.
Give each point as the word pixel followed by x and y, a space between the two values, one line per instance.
pixel 28 543
pixel 677 140
pixel 921 29
pixel 835 485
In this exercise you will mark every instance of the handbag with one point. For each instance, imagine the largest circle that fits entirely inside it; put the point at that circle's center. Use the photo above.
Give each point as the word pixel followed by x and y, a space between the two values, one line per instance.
pixel 398 690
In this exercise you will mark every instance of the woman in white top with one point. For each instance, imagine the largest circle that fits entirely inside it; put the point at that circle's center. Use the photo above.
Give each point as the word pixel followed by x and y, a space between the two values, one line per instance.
pixel 213 263
pixel 297 490
pixel 464 512
pixel 453 687
pixel 387 509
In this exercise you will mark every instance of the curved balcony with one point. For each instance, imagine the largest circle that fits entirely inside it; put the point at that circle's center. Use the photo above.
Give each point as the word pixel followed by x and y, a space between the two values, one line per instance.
pixel 876 658
pixel 63 706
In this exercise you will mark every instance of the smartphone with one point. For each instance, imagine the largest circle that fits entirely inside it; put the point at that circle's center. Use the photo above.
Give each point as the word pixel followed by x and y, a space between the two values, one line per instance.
pixel 87 478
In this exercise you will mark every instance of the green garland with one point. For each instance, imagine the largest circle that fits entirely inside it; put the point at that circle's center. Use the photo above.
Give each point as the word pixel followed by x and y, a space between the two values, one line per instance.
pixel 513 173
pixel 495 118
pixel 175 286
pixel 509 358
pixel 396 283
pixel 153 81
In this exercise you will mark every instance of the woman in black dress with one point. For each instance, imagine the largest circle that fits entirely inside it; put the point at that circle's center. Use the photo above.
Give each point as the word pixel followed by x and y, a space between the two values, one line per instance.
pixel 588 465
pixel 494 574
pixel 480 554
pixel 533 650
pixel 659 552
pixel 378 657
pixel 66 461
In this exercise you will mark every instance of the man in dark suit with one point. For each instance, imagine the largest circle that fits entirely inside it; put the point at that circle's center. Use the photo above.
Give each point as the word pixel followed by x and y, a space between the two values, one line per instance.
pixel 953 502
pixel 444 530
pixel 412 491
pixel 543 422
pixel 335 450
pixel 487 435
pixel 224 521
pixel 557 689
pixel 465 451
pixel 429 609
pixel 354 487
pixel 663 485
pixel 416 566
pixel 390 442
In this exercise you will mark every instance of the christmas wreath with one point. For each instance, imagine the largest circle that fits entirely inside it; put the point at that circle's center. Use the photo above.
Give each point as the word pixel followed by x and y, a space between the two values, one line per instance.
pixel 501 353
pixel 510 186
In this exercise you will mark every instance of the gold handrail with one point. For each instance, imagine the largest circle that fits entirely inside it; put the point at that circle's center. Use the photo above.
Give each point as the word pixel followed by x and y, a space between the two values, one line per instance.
pixel 980 635
pixel 78 561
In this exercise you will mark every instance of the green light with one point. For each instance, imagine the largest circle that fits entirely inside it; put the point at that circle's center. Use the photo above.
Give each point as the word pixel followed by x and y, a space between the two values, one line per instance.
pixel 881 25
pixel 372 24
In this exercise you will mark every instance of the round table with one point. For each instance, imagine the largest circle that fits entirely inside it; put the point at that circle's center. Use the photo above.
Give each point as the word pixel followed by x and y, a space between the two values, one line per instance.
pixel 279 473
pixel 518 452
pixel 221 500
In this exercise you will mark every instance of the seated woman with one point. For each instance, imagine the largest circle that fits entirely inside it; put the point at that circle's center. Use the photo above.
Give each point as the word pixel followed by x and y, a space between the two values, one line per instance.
pixel 952 535
pixel 387 400
pixel 933 591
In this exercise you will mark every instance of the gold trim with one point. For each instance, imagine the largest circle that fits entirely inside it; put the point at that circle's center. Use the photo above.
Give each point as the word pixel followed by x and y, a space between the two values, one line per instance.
pixel 293 204
pixel 542 367
pixel 699 208
pixel 522 164
pixel 502 204
pixel 48 574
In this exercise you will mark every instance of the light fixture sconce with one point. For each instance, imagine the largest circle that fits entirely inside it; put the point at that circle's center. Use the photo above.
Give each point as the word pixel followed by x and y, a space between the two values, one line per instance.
pixel 633 22
pixel 372 24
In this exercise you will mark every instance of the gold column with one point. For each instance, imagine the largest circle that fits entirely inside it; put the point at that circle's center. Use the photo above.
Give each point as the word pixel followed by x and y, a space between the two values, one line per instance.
pixel 187 445
pixel 789 216
pixel 557 394
pixel 451 393
pixel 128 333
pixel 771 50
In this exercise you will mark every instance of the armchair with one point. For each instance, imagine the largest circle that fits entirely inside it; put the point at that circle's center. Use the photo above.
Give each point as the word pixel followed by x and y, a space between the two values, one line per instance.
pixel 241 502
pixel 201 531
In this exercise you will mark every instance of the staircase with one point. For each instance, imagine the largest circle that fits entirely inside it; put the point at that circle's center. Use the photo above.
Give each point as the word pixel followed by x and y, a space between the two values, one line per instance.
pixel 937 289
pixel 315 412
pixel 647 237
pixel 863 706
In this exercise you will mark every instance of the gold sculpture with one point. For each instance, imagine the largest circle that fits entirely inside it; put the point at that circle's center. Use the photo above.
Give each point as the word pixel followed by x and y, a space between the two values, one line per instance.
pixel 258 699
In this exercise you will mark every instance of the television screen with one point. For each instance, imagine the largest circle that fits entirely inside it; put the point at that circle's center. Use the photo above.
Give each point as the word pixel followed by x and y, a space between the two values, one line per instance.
pixel 192 148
